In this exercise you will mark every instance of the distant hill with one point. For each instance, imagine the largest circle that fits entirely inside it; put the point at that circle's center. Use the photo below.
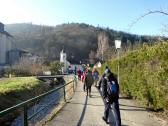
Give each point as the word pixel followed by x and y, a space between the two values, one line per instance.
pixel 76 39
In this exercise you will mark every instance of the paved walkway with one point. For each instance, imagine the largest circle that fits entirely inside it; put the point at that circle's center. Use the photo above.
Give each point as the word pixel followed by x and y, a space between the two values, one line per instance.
pixel 134 115
pixel 81 110
pixel 86 111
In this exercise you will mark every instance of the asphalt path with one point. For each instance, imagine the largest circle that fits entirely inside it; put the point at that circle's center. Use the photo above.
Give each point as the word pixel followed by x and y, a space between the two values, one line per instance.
pixel 83 110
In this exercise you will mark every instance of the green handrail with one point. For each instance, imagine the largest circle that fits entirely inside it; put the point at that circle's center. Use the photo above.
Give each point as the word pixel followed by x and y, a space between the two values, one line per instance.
pixel 25 103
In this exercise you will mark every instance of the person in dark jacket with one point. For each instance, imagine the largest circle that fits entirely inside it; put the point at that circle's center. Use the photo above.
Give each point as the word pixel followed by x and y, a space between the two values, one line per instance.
pixel 109 76
pixel 89 82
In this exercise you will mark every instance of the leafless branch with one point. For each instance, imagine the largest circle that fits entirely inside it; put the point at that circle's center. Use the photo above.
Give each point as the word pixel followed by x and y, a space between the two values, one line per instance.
pixel 146 14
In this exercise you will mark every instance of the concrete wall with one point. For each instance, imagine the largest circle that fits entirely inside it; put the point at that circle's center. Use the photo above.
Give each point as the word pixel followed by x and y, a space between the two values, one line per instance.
pixel 14 57
pixel 5 46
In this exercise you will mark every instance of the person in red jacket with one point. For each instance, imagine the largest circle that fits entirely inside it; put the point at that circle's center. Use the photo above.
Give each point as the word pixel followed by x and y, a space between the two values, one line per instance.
pixel 79 73
pixel 83 78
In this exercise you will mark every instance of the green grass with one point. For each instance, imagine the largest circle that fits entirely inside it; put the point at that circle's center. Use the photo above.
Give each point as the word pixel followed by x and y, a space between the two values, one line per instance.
pixel 19 89
pixel 17 83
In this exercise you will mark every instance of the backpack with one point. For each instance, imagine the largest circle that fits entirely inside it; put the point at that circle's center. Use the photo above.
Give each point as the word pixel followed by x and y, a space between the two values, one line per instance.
pixel 112 89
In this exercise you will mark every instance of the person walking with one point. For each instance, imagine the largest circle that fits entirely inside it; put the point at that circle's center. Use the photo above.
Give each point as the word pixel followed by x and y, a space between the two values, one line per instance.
pixel 89 82
pixel 79 72
pixel 95 74
pixel 83 79
pixel 110 93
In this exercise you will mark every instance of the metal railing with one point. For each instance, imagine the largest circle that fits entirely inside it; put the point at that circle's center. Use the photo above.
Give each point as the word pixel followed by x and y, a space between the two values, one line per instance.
pixel 25 104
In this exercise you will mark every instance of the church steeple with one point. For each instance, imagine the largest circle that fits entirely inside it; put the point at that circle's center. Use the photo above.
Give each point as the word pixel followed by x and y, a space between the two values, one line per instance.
pixel 62 56
pixel 62 51
pixel 63 59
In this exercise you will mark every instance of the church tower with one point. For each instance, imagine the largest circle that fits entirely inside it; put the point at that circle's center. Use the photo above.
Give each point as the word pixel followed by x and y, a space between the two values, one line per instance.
pixel 62 56
pixel 63 59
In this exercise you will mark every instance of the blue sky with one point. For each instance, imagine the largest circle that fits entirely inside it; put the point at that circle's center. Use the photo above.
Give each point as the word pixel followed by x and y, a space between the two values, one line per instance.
pixel 115 14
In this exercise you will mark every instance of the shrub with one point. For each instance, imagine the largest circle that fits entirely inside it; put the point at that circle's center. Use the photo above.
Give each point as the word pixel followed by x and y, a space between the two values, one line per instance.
pixel 56 67
pixel 144 75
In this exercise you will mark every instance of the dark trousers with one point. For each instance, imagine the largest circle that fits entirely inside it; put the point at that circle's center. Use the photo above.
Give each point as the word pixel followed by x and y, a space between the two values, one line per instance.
pixel 116 111
pixel 95 82
pixel 88 89
pixel 84 86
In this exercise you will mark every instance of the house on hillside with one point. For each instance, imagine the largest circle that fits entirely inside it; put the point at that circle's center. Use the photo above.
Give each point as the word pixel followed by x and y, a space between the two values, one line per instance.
pixel 34 58
pixel 5 45
pixel 10 55
pixel 15 55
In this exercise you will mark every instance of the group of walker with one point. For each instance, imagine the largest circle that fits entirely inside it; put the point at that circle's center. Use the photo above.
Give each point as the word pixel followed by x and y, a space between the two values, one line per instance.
pixel 89 78
pixel 109 88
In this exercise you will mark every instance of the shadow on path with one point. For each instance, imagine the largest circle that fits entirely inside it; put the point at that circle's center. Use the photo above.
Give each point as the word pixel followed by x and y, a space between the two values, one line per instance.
pixel 84 104
pixel 111 116
pixel 133 109
pixel 124 97
pixel 95 92
pixel 83 112
pixel 132 106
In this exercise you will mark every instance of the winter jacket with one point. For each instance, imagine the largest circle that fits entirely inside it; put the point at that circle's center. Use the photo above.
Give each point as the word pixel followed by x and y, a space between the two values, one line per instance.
pixel 105 94
pixel 83 76
pixel 89 79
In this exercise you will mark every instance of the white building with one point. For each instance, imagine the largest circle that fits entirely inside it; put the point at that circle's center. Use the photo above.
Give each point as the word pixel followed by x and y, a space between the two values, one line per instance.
pixel 5 45
pixel 63 59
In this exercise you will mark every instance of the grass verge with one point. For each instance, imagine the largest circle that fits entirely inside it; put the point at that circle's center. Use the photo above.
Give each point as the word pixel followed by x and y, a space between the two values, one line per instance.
pixel 18 89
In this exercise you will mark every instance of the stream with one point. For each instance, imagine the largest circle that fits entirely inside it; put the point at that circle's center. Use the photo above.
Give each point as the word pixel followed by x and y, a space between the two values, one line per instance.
pixel 50 100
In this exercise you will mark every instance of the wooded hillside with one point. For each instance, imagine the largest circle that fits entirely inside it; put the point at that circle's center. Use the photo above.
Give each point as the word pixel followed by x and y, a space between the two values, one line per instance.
pixel 78 40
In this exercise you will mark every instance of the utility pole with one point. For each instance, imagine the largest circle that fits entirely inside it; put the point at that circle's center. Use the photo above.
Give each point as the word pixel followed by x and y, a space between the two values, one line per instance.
pixel 118 46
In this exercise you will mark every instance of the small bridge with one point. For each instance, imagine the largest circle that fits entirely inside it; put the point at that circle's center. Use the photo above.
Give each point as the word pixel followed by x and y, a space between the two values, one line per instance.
pixel 52 78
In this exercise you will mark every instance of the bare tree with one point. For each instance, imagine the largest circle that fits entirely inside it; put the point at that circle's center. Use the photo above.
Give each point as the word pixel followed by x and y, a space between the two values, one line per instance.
pixel 146 14
pixel 27 67
pixel 104 49
pixel 92 56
